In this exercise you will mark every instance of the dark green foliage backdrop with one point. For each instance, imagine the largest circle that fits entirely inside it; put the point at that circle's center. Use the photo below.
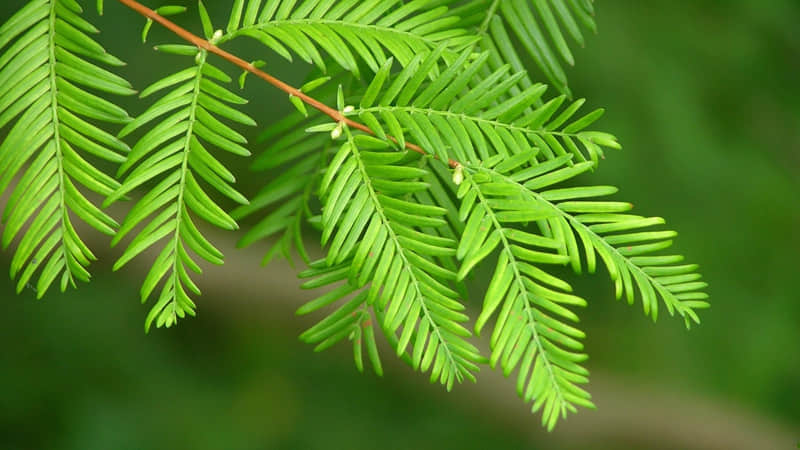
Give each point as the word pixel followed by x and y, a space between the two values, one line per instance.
pixel 703 97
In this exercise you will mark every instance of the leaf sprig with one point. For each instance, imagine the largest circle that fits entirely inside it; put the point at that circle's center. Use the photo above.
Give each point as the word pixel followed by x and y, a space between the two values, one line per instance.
pixel 175 153
pixel 543 27
pixel 44 76
pixel 369 224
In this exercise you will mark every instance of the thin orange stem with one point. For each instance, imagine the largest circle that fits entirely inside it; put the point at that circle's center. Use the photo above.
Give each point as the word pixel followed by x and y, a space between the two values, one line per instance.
pixel 233 59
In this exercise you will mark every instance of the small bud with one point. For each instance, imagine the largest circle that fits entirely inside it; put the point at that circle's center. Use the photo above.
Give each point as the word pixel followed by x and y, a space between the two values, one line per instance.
pixel 348 109
pixel 216 37
pixel 337 132
pixel 458 175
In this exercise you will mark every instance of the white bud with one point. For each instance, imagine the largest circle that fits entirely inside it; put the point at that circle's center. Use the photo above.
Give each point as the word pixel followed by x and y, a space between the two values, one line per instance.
pixel 458 175
pixel 336 133
pixel 348 109
pixel 216 36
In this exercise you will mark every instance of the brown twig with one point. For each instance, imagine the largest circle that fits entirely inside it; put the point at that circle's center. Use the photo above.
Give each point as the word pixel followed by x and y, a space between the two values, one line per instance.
pixel 233 59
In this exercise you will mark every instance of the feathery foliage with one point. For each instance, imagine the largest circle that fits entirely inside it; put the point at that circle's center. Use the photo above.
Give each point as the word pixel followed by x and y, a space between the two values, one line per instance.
pixel 349 32
pixel 174 152
pixel 442 155
pixel 496 198
pixel 479 123
pixel 44 73
pixel 285 201
pixel 530 330
pixel 368 221
pixel 542 27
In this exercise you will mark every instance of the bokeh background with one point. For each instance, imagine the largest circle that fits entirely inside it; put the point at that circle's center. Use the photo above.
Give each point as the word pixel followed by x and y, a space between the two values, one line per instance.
pixel 704 96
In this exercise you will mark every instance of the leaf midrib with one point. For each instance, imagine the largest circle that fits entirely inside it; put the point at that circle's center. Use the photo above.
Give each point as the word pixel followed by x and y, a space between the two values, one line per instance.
pixel 465 117
pixel 57 141
pixel 182 182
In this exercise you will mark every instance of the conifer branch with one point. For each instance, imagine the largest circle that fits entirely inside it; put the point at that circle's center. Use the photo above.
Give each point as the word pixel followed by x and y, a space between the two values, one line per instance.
pixel 402 232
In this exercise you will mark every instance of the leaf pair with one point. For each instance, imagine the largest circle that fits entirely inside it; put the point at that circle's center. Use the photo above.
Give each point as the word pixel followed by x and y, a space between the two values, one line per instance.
pixel 453 120
pixel 576 219
pixel 375 240
pixel 500 201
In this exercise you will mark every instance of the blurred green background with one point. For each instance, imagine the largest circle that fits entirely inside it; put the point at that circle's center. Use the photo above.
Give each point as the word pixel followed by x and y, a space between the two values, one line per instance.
pixel 705 98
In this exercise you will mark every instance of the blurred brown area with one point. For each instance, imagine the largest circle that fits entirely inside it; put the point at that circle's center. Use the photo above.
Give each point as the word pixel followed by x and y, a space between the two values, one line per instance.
pixel 704 97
